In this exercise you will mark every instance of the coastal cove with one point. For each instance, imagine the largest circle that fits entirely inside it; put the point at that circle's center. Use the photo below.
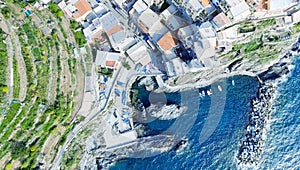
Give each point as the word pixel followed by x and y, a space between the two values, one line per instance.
pixel 220 149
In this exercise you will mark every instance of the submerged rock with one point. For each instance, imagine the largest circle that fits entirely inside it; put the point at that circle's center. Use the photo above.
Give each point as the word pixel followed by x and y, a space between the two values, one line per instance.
pixel 141 148
pixel 275 72
pixel 148 82
pixel 165 112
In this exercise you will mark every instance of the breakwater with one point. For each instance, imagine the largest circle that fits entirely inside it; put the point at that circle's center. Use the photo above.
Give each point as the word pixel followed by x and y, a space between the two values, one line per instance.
pixel 251 146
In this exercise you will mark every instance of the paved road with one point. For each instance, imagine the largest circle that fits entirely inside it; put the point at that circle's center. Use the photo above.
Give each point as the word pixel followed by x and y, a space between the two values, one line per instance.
pixel 94 113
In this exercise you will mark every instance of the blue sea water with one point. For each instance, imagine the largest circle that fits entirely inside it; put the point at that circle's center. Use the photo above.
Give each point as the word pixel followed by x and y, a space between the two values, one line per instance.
pixel 282 146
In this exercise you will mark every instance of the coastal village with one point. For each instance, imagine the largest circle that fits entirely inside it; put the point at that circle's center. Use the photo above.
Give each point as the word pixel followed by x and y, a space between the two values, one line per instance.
pixel 164 39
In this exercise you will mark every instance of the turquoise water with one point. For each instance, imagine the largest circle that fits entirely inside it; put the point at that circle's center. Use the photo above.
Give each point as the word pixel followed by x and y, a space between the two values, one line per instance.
pixel 282 149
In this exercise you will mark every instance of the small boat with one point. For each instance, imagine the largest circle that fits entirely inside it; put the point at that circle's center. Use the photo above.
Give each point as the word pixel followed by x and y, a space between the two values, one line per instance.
pixel 201 94
pixel 209 92
pixel 220 88
pixel 232 82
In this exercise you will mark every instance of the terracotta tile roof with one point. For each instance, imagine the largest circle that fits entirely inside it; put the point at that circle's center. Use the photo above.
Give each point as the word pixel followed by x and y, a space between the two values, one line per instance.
pixel 205 2
pixel 167 42
pixel 83 7
pixel 114 30
pixel 221 19
pixel 110 63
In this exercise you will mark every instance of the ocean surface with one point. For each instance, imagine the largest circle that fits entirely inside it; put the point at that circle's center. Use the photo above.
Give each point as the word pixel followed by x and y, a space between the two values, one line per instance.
pixel 282 146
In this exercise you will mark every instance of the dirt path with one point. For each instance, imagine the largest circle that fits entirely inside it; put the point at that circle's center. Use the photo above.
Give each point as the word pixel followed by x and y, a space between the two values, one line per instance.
pixel 21 66
pixel 53 76
pixel 80 78
pixel 49 145
pixel 66 27
pixel 10 69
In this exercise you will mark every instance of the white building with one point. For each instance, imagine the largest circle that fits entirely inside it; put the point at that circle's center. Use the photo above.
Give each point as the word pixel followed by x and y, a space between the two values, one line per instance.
pixel 140 6
pixel 139 54
pixel 296 17
pixel 107 59
pixel 281 4
pixel 167 13
pixel 188 35
pixel 175 22
pixel 157 30
pixel 176 67
pixel 207 31
pixel 125 4
pixel 240 11
pixel 147 19
pixel 205 52
pixel 76 9
pixel 100 10
pixel 108 21
pixel 235 9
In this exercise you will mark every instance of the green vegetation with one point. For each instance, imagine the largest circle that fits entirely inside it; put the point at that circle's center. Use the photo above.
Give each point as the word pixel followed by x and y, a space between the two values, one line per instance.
pixel 26 127
pixel 126 65
pixel 63 138
pixel 72 68
pixel 266 23
pixel 3 66
pixel 74 25
pixel 5 11
pixel 74 155
pixel 10 115
pixel 106 71
pixel 63 31
pixel 37 53
pixel 16 79
pixel 247 27
pixel 296 29
pixel 134 97
pixel 8 166
pixel 164 6
pixel 54 8
pixel 250 46
pixel 80 39
pixel 31 35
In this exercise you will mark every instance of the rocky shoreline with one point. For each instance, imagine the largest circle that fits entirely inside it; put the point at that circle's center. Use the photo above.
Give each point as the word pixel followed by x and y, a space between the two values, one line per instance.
pixel 165 112
pixel 141 148
pixel 251 147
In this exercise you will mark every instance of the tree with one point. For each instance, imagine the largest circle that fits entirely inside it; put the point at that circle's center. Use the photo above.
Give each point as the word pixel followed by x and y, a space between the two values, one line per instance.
pixel 54 8
pixel 5 12
pixel 80 39
pixel 5 89
pixel 8 166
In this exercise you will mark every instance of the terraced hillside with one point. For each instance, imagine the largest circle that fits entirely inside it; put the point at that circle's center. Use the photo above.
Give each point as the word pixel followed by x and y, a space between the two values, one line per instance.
pixel 40 86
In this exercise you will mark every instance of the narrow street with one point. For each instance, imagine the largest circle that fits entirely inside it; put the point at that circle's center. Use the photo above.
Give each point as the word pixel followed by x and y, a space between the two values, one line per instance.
pixel 10 76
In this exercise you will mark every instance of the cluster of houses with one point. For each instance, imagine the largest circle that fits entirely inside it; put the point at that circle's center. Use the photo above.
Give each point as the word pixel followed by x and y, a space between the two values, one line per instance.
pixel 186 35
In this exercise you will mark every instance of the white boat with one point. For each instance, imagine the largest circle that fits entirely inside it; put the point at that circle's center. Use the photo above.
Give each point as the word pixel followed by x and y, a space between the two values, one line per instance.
pixel 209 92
pixel 220 88
pixel 232 82
pixel 201 94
